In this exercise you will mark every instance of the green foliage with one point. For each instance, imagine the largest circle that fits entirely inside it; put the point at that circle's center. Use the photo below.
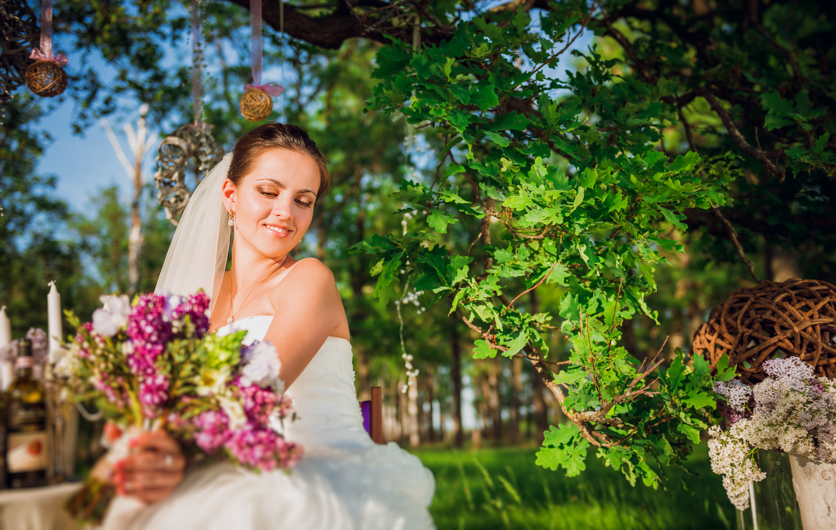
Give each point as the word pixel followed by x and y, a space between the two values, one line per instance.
pixel 574 193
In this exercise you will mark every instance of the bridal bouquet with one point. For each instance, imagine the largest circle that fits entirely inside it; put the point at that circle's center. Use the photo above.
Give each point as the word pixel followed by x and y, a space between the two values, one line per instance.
pixel 791 411
pixel 151 364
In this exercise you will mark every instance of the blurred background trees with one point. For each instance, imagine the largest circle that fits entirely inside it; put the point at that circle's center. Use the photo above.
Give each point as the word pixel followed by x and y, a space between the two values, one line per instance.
pixel 747 85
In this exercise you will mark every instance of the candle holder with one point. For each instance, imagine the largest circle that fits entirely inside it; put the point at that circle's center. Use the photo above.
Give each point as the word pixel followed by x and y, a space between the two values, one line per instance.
pixel 56 421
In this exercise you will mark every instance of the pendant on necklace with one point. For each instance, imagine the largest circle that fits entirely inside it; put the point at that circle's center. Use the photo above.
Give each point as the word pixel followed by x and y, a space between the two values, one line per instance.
pixel 229 320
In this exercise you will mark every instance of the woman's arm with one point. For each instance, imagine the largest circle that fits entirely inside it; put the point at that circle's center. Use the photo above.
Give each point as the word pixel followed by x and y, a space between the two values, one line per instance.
pixel 307 310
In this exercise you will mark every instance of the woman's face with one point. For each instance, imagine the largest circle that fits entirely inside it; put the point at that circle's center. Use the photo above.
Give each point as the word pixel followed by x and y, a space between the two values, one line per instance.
pixel 273 203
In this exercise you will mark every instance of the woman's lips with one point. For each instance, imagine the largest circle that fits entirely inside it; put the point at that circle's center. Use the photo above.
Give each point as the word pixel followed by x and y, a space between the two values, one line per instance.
pixel 278 231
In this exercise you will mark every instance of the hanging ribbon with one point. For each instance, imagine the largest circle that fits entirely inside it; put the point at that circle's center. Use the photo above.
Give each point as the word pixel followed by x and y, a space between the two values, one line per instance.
pixel 44 53
pixel 197 98
pixel 273 89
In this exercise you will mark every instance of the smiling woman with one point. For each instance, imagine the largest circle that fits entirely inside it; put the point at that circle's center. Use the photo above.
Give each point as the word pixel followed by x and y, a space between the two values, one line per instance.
pixel 269 188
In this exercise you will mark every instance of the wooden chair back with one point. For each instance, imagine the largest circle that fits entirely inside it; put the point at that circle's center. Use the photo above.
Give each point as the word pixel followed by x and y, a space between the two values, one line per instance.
pixel 373 415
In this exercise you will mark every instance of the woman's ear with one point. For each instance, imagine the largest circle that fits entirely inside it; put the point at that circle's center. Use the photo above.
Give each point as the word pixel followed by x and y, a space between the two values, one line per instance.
pixel 228 194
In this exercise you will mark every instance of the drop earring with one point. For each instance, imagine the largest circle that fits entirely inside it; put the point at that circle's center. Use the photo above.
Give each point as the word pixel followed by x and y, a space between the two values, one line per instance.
pixel 231 221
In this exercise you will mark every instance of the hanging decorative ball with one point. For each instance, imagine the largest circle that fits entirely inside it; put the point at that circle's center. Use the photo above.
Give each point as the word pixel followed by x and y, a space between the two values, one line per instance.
pixel 256 104
pixel 190 150
pixel 46 78
pixel 19 32
pixel 795 318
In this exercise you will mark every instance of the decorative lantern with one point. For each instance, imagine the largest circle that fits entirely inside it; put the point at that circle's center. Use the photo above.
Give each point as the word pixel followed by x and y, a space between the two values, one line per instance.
pixel 795 318
pixel 191 149
pixel 46 78
pixel 18 34
pixel 256 104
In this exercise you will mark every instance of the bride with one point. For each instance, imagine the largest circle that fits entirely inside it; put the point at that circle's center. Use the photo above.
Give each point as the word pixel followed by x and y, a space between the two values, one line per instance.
pixel 265 192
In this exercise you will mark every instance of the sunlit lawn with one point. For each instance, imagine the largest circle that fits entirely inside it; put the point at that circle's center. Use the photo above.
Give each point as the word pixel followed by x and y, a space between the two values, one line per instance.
pixel 503 488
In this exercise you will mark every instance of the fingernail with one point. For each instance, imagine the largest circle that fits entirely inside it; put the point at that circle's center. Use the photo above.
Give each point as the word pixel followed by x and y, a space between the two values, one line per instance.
pixel 133 442
pixel 120 465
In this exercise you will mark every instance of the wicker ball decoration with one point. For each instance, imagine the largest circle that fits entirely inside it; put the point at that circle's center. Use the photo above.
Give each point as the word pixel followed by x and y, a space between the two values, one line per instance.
pixel 256 105
pixel 191 149
pixel 795 318
pixel 19 33
pixel 46 78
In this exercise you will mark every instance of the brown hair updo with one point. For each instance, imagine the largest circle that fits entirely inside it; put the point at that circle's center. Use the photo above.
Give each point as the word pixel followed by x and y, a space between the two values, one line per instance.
pixel 276 136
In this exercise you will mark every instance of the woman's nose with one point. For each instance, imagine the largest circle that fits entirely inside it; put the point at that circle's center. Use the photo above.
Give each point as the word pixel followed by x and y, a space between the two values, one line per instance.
pixel 283 207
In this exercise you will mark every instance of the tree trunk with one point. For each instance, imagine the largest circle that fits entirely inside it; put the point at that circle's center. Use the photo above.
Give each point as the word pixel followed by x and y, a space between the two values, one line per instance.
pixel 363 381
pixel 412 413
pixel 430 396
pixel 495 400
pixel 456 376
pixel 516 382
pixel 135 238
pixel 541 410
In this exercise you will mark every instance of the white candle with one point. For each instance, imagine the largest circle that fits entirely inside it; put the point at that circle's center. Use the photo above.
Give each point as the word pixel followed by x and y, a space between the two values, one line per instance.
pixel 6 369
pixel 5 328
pixel 54 323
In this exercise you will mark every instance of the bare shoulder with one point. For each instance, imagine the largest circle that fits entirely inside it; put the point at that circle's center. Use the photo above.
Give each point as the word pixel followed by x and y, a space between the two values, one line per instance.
pixel 311 269
pixel 308 277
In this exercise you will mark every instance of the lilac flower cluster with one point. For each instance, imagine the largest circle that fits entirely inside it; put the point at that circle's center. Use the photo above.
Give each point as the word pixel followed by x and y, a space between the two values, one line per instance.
pixel 791 410
pixel 209 391
pixel 250 440
pixel 262 448
pixel 195 308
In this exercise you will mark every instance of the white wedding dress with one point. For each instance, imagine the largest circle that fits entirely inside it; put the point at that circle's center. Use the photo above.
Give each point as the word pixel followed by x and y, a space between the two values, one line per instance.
pixel 344 480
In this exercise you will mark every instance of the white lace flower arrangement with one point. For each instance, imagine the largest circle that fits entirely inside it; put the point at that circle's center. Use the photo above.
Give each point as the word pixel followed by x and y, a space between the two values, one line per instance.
pixel 791 411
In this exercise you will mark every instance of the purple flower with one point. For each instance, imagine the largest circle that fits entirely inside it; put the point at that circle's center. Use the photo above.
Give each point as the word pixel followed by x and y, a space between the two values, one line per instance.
pixel 258 402
pixel 153 392
pixel 256 447
pixel 149 333
pixel 212 430
pixel 40 344
pixel 195 307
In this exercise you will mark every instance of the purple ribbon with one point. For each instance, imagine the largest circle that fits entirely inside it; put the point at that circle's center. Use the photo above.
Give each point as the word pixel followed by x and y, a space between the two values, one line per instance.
pixel 44 53
pixel 255 40
pixel 59 59
pixel 273 89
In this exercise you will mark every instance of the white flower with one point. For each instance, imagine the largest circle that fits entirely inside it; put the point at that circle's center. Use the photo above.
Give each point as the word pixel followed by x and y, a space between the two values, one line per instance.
pixel 212 381
pixel 791 367
pixel 261 366
pixel 114 315
pixel 735 392
pixel 234 411
pixel 68 366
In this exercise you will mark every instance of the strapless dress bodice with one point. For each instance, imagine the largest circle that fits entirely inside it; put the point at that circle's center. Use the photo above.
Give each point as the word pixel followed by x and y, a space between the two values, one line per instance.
pixel 324 399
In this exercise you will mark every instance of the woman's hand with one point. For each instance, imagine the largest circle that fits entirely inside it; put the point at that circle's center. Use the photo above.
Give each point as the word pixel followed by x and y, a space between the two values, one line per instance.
pixel 153 469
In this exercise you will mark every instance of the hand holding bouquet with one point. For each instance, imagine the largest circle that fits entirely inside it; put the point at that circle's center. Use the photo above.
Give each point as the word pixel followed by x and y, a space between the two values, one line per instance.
pixel 151 365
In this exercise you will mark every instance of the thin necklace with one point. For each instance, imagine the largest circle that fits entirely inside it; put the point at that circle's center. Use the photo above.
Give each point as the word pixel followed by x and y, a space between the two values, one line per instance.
pixel 231 318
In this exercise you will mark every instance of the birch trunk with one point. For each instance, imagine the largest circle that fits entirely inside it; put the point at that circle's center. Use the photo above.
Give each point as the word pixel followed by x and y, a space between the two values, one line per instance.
pixel 815 488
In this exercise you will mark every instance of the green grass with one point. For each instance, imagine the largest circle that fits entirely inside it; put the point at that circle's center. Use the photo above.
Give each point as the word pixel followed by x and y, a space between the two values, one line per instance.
pixel 503 488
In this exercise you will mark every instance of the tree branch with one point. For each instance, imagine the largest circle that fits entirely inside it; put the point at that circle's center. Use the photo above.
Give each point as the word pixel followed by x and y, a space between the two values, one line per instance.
pixel 738 138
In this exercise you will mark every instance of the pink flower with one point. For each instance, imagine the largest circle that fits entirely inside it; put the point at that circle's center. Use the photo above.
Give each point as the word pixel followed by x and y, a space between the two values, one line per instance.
pixel 212 430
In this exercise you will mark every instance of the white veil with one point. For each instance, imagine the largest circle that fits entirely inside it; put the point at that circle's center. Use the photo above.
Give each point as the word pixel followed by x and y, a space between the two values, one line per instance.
pixel 196 258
